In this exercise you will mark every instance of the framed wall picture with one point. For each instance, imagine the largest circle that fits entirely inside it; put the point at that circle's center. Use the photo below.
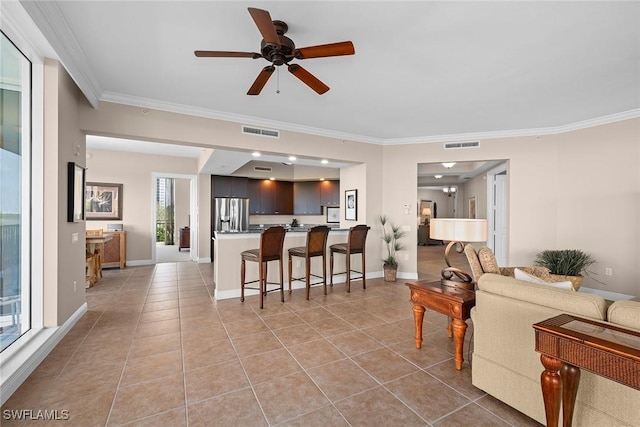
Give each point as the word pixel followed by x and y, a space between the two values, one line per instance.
pixel 75 196
pixel 333 215
pixel 103 201
pixel 351 205
pixel 472 208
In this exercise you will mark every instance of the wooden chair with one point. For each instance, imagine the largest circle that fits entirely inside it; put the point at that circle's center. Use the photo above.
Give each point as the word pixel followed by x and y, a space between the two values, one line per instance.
pixel 90 265
pixel 316 246
pixel 271 244
pixel 355 245
pixel 97 252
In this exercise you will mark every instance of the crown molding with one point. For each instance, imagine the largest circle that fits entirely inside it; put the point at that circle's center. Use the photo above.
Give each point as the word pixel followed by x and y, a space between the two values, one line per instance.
pixel 48 17
pixel 231 117
pixel 553 130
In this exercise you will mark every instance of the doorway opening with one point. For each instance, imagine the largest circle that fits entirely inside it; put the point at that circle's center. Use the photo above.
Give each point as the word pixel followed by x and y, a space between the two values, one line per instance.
pixel 174 209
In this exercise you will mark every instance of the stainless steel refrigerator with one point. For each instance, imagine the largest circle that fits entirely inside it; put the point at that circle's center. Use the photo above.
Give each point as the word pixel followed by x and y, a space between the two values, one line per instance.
pixel 231 214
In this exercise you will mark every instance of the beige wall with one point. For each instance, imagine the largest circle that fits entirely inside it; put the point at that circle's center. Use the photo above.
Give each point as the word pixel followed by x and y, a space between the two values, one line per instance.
pixel 134 171
pixel 580 190
pixel 183 188
pixel 64 275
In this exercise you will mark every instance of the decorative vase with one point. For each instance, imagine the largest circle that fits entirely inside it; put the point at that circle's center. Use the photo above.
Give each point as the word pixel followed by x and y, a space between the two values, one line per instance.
pixel 576 281
pixel 390 272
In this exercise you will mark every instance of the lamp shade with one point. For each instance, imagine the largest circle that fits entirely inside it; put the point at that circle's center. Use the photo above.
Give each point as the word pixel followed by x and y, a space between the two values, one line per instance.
pixel 459 229
pixel 426 211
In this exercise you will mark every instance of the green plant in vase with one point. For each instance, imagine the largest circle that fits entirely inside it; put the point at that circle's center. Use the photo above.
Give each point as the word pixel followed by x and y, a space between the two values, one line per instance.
pixel 391 236
pixel 571 263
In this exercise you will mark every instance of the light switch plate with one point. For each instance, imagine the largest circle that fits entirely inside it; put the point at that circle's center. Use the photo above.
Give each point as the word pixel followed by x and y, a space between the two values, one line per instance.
pixel 74 238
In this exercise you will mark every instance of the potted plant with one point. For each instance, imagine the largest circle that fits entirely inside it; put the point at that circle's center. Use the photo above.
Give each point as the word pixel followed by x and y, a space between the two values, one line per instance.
pixel 569 263
pixel 391 236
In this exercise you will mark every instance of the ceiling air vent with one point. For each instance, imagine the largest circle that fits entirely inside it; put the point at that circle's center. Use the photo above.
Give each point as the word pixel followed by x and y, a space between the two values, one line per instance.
pixel 260 132
pixel 262 168
pixel 454 145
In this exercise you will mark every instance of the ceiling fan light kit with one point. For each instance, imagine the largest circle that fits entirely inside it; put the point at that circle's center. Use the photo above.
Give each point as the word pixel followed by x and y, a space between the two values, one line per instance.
pixel 281 50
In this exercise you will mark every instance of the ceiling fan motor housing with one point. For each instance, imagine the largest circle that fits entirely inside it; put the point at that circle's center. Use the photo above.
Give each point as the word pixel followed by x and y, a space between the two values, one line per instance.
pixel 284 53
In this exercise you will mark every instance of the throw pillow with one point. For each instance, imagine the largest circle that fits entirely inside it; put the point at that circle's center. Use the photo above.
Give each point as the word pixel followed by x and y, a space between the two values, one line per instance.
pixel 521 275
pixel 474 262
pixel 488 260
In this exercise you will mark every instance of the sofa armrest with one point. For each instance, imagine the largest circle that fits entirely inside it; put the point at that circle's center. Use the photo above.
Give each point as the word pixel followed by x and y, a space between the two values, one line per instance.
pixel 625 313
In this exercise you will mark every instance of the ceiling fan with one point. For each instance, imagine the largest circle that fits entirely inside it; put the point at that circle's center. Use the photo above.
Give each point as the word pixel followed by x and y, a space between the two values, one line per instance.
pixel 279 49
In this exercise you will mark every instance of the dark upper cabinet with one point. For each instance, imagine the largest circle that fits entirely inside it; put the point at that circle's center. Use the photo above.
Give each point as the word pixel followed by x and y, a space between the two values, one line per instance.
pixel 267 196
pixel 330 193
pixel 283 198
pixel 228 186
pixel 306 198
pixel 253 193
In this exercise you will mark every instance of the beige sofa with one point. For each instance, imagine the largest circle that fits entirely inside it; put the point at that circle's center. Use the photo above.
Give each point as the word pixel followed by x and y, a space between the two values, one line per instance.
pixel 506 365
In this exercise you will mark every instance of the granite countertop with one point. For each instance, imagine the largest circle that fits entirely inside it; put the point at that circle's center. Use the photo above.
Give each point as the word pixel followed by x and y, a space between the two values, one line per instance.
pixel 258 230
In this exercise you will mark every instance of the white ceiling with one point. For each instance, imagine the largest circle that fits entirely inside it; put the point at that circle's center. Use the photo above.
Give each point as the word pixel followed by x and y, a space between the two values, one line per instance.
pixel 423 70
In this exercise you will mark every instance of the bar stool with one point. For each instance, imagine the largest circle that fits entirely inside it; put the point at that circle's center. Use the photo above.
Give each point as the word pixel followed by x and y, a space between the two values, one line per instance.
pixel 316 246
pixel 97 252
pixel 271 243
pixel 354 245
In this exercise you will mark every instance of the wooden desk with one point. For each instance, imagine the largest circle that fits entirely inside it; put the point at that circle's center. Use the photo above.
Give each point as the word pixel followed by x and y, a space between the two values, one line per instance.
pixel 567 344
pixel 454 302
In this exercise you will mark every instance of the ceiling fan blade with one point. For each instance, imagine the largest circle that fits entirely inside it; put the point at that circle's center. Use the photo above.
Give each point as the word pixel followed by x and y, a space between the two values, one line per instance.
pixel 223 54
pixel 265 25
pixel 324 50
pixel 261 80
pixel 308 79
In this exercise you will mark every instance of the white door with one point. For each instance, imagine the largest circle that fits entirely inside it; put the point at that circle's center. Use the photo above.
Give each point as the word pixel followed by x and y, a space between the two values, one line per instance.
pixel 499 225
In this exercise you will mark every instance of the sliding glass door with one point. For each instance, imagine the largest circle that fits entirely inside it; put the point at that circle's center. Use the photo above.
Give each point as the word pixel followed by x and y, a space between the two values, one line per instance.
pixel 15 193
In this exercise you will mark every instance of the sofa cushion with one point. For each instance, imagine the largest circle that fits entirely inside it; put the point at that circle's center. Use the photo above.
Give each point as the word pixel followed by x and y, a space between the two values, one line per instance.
pixel 578 303
pixel 523 275
pixel 625 314
pixel 474 262
pixel 488 260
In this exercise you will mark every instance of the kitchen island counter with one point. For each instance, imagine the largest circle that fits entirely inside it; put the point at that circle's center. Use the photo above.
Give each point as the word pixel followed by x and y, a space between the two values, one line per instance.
pixel 227 259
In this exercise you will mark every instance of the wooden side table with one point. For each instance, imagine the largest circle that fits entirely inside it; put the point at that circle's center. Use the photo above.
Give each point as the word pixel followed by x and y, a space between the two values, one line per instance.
pixel 454 302
pixel 567 344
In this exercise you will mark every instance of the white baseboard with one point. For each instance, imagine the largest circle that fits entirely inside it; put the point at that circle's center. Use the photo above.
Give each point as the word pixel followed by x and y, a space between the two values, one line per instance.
pixel 204 260
pixel 139 262
pixel 22 361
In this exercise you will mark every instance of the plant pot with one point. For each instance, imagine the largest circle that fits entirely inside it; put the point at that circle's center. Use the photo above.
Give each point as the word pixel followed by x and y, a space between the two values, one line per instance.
pixel 576 281
pixel 390 272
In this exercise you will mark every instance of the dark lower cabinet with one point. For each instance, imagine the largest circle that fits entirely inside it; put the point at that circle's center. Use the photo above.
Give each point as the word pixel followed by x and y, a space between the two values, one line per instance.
pixel 185 239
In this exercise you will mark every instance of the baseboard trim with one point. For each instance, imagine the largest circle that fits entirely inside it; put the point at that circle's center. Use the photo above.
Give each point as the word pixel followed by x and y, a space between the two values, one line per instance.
pixel 204 260
pixel 139 262
pixel 17 367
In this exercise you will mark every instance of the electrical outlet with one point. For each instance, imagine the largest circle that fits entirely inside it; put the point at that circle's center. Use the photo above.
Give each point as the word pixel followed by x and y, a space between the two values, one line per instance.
pixel 608 271
pixel 406 228
pixel 406 257
pixel 75 285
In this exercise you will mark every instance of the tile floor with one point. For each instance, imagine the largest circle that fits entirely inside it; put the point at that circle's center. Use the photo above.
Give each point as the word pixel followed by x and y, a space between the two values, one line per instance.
pixel 155 349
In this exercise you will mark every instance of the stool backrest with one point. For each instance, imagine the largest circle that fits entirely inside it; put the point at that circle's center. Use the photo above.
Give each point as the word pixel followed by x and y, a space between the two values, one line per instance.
pixel 317 240
pixel 96 232
pixel 271 243
pixel 358 238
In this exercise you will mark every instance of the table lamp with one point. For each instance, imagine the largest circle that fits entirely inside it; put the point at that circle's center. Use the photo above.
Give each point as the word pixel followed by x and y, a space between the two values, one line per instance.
pixel 457 231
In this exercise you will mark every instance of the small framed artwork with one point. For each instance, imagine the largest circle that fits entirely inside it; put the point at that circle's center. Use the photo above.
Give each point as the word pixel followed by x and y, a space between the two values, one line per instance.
pixel 351 205
pixel 75 202
pixel 103 201
pixel 472 208
pixel 333 215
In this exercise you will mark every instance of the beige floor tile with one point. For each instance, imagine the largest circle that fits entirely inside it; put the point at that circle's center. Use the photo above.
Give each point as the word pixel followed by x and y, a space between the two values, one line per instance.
pixel 471 413
pixel 213 380
pixel 327 416
pixel 363 320
pixel 316 353
pixel 145 399
pixel 160 305
pixel 155 316
pixel 384 365
pixel 250 345
pixel 426 356
pixel 148 368
pixel 76 382
pixel 282 320
pixel 317 314
pixel 354 343
pixel 154 345
pixel 269 366
pixel 380 405
pixel 288 397
pixel 161 327
pixel 238 408
pixel 388 334
pixel 459 380
pixel 165 296
pixel 435 399
pixel 506 412
pixel 341 379
pixel 173 417
pixel 250 325
pixel 296 334
pixel 208 354
pixel 335 327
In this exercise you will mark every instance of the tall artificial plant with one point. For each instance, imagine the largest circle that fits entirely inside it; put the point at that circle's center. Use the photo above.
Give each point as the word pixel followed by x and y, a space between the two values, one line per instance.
pixel 391 236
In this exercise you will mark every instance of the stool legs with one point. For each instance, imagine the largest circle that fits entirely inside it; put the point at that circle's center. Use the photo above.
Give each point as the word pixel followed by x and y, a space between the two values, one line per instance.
pixel 281 280
pixel 324 273
pixel 290 271
pixel 331 269
pixel 364 269
pixel 243 267
pixel 348 261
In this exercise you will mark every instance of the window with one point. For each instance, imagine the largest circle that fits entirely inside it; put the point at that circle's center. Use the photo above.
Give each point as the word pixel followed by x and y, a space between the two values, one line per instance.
pixel 15 193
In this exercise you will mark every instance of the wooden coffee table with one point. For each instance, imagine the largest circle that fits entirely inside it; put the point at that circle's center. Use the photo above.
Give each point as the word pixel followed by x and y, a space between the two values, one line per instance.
pixel 451 301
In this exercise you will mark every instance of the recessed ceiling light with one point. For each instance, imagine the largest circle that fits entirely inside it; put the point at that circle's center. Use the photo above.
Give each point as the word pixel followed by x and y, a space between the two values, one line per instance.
pixel 273 178
pixel 255 154
pixel 321 179
pixel 292 158
pixel 448 165
pixel 324 161
pixel 438 176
